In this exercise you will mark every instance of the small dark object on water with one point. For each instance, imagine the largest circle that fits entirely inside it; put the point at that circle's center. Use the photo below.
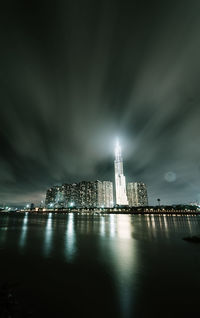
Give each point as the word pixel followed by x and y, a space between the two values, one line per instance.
pixel 192 239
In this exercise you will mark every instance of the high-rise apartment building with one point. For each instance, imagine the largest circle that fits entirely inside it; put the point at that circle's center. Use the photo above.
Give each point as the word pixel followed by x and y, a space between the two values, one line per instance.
pixel 50 197
pixel 88 194
pixel 107 194
pixel 53 196
pixel 137 194
pixel 71 194
pixel 95 194
pixel 120 180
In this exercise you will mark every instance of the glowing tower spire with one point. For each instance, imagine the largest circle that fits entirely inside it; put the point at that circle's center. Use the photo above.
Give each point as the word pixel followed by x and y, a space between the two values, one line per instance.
pixel 120 180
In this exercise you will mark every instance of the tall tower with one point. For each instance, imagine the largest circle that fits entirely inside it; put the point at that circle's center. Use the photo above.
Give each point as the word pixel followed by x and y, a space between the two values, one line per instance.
pixel 120 180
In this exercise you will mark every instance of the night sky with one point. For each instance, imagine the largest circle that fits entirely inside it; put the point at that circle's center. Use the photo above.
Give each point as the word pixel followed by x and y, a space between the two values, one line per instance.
pixel 74 75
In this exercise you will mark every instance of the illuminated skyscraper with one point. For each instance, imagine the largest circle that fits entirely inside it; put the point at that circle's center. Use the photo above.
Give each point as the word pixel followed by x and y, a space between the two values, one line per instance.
pixel 137 194
pixel 120 180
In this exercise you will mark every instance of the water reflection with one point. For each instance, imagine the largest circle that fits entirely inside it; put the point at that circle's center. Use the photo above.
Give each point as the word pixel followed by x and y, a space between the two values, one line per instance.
pixel 3 230
pixel 48 236
pixel 131 249
pixel 112 222
pixel 165 223
pixel 189 224
pixel 102 226
pixel 70 238
pixel 119 251
pixel 124 259
pixel 23 236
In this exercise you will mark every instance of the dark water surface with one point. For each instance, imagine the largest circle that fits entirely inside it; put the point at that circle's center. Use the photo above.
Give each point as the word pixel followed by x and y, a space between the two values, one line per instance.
pixel 102 266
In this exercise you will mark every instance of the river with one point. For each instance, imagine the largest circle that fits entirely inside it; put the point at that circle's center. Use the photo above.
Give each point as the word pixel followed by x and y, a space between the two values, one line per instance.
pixel 73 265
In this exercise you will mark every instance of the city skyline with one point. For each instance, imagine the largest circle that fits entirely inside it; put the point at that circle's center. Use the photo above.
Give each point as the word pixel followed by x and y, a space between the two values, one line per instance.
pixel 75 77
pixel 99 194
pixel 130 186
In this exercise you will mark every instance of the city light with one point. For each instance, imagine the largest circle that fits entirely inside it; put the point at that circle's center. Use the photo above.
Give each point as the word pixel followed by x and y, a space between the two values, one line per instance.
pixel 99 194
pixel 120 180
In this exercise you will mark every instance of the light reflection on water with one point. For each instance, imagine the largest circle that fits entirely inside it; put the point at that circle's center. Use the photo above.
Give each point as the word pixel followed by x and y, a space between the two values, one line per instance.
pixel 3 232
pixel 70 238
pixel 48 236
pixel 124 244
pixel 102 226
pixel 123 259
pixel 112 223
pixel 22 239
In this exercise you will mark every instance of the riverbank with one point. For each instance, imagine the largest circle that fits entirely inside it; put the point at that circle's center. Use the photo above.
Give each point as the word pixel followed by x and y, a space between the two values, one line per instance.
pixel 97 212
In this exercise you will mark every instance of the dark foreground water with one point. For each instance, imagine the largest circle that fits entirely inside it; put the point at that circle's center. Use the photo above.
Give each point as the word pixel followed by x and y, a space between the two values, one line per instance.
pixel 101 266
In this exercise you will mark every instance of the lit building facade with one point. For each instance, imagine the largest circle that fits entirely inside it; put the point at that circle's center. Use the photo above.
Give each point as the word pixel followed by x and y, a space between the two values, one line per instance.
pixel 51 196
pixel 137 194
pixel 89 194
pixel 107 194
pixel 71 194
pixel 120 180
pixel 85 194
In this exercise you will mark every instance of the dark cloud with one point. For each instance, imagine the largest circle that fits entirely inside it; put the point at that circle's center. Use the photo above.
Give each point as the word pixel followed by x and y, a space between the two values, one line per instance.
pixel 76 74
